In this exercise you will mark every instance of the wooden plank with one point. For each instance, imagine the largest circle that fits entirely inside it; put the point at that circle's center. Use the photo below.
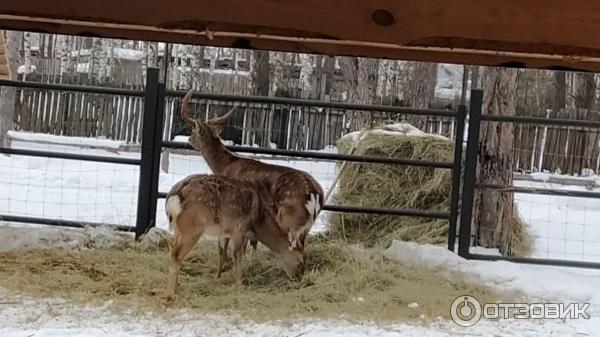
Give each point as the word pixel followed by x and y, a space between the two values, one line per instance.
pixel 496 32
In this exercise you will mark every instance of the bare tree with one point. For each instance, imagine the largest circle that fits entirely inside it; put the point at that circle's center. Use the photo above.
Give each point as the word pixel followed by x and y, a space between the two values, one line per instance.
pixel 421 89
pixel 360 79
pixel 261 72
pixel 560 90
pixel 493 218
pixel 8 95
pixel 256 118
pixel 28 69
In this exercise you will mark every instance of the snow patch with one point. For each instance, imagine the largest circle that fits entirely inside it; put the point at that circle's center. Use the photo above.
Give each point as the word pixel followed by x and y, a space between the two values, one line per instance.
pixel 42 237
pixel 64 140
pixel 541 282
pixel 398 129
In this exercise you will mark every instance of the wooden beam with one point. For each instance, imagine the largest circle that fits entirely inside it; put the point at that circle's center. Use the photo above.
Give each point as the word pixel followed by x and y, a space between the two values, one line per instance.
pixel 534 34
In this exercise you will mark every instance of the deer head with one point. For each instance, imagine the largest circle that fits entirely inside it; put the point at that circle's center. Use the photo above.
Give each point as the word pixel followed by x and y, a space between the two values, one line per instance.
pixel 204 133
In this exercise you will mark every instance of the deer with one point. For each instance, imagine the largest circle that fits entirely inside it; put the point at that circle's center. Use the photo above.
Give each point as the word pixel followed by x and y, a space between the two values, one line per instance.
pixel 297 196
pixel 224 207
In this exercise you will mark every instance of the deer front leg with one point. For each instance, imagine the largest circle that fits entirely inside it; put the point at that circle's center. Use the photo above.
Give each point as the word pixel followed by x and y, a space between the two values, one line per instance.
pixel 239 241
pixel 223 258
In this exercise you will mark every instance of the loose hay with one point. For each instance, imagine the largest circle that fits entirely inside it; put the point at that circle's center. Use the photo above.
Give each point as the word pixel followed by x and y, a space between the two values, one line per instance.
pixel 341 282
pixel 399 186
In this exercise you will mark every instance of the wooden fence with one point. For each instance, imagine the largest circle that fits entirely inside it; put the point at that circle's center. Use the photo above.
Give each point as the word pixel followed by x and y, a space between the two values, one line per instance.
pixel 567 150
pixel 120 118
pixel 79 114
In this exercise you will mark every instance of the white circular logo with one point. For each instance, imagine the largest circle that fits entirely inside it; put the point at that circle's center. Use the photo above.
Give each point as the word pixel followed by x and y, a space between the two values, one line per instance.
pixel 465 311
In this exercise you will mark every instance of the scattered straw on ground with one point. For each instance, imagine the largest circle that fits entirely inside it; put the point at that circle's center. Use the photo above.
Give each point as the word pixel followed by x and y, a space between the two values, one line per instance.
pixel 341 282
pixel 400 186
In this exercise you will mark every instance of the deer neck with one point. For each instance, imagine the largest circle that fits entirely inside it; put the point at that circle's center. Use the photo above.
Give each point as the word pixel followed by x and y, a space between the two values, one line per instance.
pixel 217 156
pixel 272 237
pixel 219 159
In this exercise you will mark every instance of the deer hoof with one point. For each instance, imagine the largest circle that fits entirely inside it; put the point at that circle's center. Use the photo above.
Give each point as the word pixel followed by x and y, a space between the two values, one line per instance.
pixel 169 297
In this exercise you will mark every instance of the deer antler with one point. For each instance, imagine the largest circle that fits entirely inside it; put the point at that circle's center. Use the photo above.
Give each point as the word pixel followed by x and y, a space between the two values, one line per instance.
pixel 185 109
pixel 223 119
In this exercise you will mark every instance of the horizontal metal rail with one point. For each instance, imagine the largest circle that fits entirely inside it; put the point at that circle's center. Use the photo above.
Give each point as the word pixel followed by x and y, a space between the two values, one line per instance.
pixel 374 210
pixel 387 211
pixel 62 223
pixel 539 261
pixel 72 87
pixel 71 156
pixel 541 191
pixel 322 155
pixel 542 121
pixel 314 103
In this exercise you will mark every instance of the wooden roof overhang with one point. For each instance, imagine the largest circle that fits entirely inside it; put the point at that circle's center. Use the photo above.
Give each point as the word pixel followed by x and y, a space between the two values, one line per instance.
pixel 515 33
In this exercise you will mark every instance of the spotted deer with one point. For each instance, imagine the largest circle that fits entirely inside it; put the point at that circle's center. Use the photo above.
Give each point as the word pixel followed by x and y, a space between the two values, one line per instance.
pixel 229 208
pixel 297 196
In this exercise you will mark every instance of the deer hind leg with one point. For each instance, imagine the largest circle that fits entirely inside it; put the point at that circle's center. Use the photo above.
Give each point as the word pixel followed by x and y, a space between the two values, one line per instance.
pixel 223 258
pixel 239 241
pixel 251 236
pixel 254 245
pixel 181 247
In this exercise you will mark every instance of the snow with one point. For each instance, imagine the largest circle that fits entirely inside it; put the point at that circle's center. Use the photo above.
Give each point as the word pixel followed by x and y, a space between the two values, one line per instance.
pixel 81 141
pixel 22 69
pixel 563 227
pixel 398 129
pixel 185 139
pixel 59 317
pixel 128 54
pixel 120 53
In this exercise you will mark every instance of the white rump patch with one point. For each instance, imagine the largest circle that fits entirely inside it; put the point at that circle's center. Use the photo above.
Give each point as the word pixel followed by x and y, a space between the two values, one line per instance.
pixel 313 207
pixel 173 209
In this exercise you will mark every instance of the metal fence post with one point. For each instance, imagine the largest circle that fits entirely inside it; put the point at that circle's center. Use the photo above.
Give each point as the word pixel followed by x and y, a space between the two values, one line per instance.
pixel 468 194
pixel 151 149
pixel 456 176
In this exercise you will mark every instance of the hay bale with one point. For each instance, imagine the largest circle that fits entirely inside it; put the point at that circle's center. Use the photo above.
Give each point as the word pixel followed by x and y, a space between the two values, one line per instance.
pixel 394 186
pixel 398 186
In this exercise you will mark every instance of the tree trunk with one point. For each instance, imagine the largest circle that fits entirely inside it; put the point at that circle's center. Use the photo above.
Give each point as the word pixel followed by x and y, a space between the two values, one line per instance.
pixel 360 78
pixel 261 80
pixel 94 66
pixel 8 95
pixel 329 74
pixel 261 72
pixel 586 91
pixel 474 77
pixel 421 90
pixel 560 91
pixel 27 54
pixel 493 215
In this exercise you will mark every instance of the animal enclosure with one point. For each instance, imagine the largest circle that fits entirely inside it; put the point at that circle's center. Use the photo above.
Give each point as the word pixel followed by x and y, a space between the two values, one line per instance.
pixel 144 169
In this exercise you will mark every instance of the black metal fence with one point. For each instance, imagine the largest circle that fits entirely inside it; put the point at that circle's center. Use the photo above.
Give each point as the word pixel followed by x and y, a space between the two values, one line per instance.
pixel 155 140
pixel 470 185
pixel 153 143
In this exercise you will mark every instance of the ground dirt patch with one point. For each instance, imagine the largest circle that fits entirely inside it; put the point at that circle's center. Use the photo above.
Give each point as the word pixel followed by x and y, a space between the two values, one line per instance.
pixel 341 282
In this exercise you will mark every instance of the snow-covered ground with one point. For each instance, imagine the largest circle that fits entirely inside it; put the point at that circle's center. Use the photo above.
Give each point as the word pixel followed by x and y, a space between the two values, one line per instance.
pixel 564 228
